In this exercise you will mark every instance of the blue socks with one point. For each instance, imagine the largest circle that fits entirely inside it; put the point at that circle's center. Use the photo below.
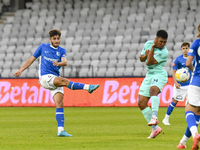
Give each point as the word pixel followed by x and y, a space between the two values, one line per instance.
pixel 170 108
pixel 190 118
pixel 75 85
pixel 187 132
pixel 60 117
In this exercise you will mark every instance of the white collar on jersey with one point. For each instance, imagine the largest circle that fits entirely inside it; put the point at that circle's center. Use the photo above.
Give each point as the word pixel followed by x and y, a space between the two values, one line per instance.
pixel 184 57
pixel 53 47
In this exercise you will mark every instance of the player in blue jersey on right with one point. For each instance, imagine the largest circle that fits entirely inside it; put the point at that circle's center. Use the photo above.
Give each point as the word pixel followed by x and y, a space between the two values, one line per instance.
pixel 192 109
pixel 180 89
pixel 52 58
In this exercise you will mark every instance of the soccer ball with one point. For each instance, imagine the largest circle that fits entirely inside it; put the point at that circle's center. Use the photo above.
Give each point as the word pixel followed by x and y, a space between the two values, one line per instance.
pixel 182 75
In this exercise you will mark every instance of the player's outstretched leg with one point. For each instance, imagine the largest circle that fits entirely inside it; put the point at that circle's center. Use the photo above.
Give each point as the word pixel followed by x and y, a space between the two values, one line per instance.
pixel 60 81
pixel 78 86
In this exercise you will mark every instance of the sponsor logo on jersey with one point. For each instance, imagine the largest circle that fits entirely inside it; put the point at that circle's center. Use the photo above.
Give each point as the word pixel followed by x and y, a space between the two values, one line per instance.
pixel 58 53
pixel 191 50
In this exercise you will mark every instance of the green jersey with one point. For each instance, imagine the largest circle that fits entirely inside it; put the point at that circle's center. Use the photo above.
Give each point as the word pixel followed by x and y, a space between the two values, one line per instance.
pixel 160 55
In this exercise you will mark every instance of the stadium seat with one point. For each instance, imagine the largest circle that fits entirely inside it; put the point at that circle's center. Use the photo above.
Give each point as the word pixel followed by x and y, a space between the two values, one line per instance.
pixel 119 72
pixel 6 73
pixel 113 31
pixel 110 72
pixel 139 71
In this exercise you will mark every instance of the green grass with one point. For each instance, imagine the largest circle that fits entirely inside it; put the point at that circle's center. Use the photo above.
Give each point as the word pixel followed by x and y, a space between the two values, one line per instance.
pixel 93 128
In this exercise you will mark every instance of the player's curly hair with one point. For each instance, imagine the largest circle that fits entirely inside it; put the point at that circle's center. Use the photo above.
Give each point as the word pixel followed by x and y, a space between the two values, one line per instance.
pixel 185 44
pixel 198 28
pixel 162 33
pixel 54 32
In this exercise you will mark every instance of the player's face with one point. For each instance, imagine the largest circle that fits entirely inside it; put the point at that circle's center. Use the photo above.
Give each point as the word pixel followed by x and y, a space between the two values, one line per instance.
pixel 185 50
pixel 55 40
pixel 161 42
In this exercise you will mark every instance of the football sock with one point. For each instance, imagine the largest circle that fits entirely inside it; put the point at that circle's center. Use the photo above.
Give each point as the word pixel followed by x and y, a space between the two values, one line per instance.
pixel 154 127
pixel 77 86
pixel 184 139
pixel 155 105
pixel 170 108
pixel 191 122
pixel 187 132
pixel 147 113
pixel 60 118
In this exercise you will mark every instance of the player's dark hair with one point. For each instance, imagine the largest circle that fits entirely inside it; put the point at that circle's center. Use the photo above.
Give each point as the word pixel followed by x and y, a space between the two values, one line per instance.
pixel 185 44
pixel 54 32
pixel 162 33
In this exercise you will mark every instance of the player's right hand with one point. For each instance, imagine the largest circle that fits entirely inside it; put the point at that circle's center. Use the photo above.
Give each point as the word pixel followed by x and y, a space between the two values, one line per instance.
pixel 17 73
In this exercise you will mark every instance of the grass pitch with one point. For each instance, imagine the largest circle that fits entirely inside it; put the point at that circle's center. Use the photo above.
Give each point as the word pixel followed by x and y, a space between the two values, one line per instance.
pixel 93 128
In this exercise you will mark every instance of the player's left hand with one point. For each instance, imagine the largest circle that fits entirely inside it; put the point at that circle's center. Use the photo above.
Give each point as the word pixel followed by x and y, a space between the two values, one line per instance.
pixel 55 63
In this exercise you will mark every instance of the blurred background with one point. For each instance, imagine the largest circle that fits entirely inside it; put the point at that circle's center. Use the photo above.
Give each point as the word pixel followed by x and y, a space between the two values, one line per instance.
pixel 103 38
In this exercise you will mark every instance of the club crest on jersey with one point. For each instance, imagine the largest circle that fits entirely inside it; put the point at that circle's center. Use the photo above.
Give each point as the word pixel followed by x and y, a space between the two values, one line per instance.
pixel 58 53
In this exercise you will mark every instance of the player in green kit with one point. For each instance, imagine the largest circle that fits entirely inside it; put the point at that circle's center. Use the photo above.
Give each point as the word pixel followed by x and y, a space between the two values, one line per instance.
pixel 155 55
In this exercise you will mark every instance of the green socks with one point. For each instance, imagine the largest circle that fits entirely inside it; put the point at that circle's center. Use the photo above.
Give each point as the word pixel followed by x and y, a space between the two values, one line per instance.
pixel 147 114
pixel 155 105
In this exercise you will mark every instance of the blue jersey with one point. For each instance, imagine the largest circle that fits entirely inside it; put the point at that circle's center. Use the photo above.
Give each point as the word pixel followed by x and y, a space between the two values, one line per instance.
pixel 48 54
pixel 195 52
pixel 180 62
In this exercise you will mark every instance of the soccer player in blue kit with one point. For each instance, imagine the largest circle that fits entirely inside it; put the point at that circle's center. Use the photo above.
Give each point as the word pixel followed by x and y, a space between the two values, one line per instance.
pixel 180 89
pixel 192 109
pixel 53 57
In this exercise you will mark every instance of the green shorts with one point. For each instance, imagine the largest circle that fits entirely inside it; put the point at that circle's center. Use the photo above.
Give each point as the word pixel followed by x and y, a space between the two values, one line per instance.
pixel 158 80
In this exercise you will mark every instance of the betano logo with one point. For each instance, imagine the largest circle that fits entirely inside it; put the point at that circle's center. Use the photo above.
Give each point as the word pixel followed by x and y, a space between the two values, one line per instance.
pixel 112 92
pixel 110 96
pixel 24 94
